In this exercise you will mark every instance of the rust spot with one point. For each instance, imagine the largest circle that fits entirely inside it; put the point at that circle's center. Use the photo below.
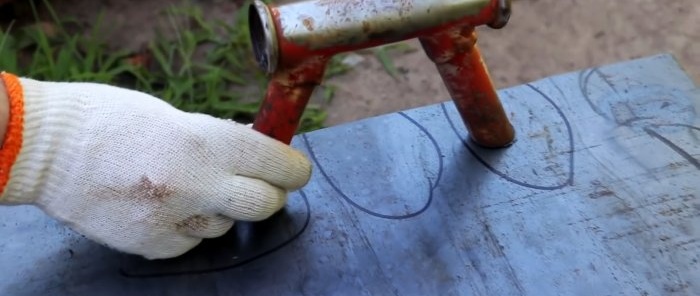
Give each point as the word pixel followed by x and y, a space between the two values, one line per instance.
pixel 601 192
pixel 405 7
pixel 366 26
pixel 146 189
pixel 194 223
pixel 678 164
pixel 670 212
pixel 381 35
pixel 308 23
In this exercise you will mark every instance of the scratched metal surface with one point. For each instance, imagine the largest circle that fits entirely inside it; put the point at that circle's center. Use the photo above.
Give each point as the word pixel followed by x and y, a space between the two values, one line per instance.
pixel 599 196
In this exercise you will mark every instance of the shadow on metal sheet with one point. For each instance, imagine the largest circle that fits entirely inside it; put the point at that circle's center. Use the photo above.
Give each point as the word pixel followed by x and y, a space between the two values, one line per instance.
pixel 244 243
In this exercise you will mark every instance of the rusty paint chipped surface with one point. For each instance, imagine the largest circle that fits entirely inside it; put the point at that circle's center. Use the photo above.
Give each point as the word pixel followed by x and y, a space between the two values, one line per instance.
pixel 342 23
pixel 462 69
pixel 308 23
pixel 311 32
pixel 288 92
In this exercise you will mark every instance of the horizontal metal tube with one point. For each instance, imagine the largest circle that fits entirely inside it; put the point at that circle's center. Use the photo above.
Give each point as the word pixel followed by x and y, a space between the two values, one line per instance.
pixel 293 43
pixel 285 34
pixel 323 23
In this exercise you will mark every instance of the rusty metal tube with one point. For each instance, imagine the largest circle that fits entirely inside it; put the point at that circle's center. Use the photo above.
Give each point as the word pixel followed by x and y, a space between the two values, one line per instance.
pixel 324 24
pixel 457 57
pixel 288 93
pixel 330 27
pixel 293 42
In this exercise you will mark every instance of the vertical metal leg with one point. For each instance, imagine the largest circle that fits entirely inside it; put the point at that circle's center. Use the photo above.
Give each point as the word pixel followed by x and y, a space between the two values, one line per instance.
pixel 288 93
pixel 463 71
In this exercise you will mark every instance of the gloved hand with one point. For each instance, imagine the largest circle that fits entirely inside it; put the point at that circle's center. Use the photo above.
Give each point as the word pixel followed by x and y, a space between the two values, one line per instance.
pixel 131 172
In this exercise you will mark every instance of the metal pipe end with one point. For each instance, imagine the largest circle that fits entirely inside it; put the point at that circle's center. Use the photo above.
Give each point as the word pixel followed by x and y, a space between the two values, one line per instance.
pixel 502 14
pixel 263 36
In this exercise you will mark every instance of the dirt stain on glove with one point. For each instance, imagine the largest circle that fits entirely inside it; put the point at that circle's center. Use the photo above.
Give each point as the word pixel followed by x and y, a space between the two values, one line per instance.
pixel 148 190
pixel 194 224
pixel 144 189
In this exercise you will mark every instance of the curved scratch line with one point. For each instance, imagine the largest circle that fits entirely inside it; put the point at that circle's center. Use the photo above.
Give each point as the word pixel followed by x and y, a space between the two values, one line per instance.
pixel 606 80
pixel 237 264
pixel 658 136
pixel 481 160
pixel 435 144
pixel 570 130
pixel 431 188
pixel 673 146
pixel 688 126
pixel 584 83
pixel 678 125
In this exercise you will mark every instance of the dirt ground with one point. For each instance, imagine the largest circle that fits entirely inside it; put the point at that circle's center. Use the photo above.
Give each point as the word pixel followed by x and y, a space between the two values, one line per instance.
pixel 544 37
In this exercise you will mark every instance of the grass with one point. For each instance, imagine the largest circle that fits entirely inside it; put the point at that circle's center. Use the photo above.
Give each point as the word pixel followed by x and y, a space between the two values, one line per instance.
pixel 384 53
pixel 207 67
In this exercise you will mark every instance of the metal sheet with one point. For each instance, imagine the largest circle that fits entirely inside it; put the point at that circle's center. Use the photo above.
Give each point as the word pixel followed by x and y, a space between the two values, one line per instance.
pixel 599 196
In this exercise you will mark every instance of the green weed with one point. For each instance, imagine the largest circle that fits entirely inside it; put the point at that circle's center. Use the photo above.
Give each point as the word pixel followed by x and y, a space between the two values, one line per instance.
pixel 384 53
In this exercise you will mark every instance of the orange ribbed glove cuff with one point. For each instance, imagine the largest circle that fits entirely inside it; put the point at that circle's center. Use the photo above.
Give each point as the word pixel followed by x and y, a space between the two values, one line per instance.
pixel 12 143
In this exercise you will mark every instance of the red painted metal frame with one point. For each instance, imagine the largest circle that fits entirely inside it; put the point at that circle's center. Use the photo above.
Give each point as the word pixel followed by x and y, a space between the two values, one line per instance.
pixel 463 71
pixel 451 46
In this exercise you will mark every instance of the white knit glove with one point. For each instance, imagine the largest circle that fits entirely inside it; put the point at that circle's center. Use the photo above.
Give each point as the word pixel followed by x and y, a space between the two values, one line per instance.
pixel 131 172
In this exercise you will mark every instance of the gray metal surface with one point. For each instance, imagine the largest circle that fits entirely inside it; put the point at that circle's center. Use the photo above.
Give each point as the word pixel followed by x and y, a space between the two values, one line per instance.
pixel 599 196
